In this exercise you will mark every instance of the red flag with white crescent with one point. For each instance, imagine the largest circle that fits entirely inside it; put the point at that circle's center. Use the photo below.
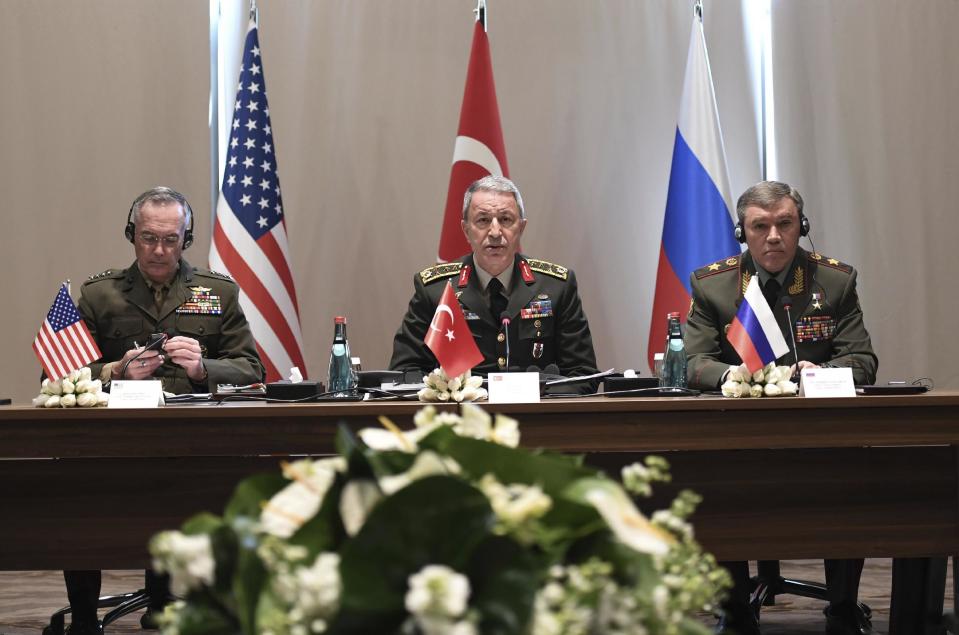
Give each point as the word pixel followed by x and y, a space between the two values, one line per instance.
pixel 479 149
pixel 450 338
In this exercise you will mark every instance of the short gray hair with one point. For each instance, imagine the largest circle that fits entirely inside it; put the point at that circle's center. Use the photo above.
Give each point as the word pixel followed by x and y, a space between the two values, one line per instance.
pixel 162 196
pixel 765 195
pixel 493 183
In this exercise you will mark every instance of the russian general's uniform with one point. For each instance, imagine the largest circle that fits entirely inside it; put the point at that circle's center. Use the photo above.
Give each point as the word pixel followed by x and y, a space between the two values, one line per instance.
pixel 547 322
pixel 827 319
pixel 121 311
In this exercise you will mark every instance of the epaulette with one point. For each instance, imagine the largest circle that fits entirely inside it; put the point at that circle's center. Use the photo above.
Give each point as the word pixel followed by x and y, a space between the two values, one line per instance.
pixel 720 266
pixel 550 269
pixel 105 275
pixel 438 272
pixel 832 263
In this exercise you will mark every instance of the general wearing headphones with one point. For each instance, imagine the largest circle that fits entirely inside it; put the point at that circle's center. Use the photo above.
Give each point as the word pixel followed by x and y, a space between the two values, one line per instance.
pixel 160 192
pixel 740 231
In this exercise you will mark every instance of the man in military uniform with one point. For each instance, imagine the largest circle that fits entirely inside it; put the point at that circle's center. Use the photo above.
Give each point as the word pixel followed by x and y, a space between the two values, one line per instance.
pixel 829 331
pixel 547 326
pixel 209 339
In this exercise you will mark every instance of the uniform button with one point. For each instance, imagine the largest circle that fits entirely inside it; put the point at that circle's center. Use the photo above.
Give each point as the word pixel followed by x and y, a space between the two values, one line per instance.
pixel 201 330
pixel 500 338
pixel 538 334
pixel 116 333
pixel 502 362
pixel 537 323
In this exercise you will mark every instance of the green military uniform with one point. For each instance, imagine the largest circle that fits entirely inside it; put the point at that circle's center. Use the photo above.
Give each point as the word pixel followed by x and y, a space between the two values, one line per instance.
pixel 827 319
pixel 121 312
pixel 547 326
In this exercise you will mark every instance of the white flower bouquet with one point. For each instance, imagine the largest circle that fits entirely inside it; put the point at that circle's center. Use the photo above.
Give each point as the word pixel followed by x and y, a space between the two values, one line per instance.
pixel 446 529
pixel 77 389
pixel 769 381
pixel 439 387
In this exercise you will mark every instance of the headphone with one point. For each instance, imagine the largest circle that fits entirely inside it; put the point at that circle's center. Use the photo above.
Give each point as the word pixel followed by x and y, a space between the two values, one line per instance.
pixel 740 231
pixel 130 230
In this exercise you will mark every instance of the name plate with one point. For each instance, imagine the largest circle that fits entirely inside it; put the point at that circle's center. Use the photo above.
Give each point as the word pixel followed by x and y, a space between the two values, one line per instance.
pixel 513 387
pixel 827 382
pixel 130 393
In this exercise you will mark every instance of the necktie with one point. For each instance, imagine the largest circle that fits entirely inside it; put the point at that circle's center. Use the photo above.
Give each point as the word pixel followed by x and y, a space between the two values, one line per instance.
pixel 497 301
pixel 771 292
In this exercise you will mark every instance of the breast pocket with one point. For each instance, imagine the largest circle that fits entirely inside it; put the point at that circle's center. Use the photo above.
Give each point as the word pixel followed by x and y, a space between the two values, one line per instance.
pixel 203 328
pixel 120 335
pixel 536 328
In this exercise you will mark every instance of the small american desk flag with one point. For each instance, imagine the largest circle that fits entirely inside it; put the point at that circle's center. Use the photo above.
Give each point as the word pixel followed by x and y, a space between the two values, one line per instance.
pixel 64 343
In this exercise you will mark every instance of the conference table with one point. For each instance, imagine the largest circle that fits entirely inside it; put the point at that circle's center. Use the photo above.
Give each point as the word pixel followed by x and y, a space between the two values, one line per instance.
pixel 781 478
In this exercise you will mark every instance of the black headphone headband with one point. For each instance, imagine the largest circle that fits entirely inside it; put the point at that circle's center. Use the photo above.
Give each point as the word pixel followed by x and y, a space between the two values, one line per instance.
pixel 130 230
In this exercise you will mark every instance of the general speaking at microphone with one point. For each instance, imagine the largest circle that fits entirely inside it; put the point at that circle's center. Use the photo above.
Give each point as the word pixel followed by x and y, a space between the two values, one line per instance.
pixel 540 298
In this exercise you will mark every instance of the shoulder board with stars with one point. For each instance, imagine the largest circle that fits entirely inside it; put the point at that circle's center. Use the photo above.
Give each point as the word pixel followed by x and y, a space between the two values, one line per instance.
pixel 832 263
pixel 720 266
pixel 438 272
pixel 212 274
pixel 105 275
pixel 550 269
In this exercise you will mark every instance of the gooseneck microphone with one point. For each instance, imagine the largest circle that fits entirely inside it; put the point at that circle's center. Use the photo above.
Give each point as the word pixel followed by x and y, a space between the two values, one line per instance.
pixel 504 320
pixel 787 303
pixel 156 343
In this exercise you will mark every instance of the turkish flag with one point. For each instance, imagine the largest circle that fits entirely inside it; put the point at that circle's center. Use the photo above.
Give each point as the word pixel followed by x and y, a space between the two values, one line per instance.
pixel 479 149
pixel 450 338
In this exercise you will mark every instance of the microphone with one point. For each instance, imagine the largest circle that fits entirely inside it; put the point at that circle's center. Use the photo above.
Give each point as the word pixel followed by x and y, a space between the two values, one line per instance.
pixel 157 340
pixel 504 320
pixel 787 303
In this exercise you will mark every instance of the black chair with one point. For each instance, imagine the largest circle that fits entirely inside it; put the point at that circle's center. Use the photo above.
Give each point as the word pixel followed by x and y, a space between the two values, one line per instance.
pixel 769 582
pixel 154 596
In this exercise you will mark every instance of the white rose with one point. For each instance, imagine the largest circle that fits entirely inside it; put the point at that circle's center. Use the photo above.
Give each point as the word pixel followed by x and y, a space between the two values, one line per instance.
pixel 86 400
pixel 40 400
pixel 788 388
pixel 52 402
pixel 96 385
pixel 68 386
pixel 730 388
pixel 86 374
pixel 736 374
pixel 68 401
pixel 187 558
pixel 82 386
pixel 755 391
pixel 74 376
pixel 54 388
pixel 427 394
pixel 772 390
pixel 103 398
pixel 759 376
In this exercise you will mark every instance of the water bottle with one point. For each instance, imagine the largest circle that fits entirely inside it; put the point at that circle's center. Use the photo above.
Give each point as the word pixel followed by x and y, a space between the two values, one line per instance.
pixel 674 360
pixel 342 378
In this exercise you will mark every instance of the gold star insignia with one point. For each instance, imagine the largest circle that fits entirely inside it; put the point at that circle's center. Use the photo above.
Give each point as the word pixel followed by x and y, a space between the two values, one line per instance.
pixel 714 266
pixel 833 261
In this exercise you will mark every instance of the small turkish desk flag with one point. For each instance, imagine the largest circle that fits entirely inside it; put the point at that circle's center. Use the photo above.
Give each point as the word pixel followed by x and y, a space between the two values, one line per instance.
pixel 450 338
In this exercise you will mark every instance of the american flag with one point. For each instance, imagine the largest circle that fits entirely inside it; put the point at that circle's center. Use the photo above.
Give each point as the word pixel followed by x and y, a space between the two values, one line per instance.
pixel 249 235
pixel 64 343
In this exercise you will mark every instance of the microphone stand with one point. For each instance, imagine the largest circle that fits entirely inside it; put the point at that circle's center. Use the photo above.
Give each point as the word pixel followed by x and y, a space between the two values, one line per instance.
pixel 504 320
pixel 787 305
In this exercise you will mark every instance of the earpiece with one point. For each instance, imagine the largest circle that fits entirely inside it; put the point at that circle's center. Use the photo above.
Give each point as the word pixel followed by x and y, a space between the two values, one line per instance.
pixel 130 230
pixel 740 231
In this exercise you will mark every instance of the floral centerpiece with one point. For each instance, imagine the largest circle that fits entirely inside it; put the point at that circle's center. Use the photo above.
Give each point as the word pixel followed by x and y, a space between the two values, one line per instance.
pixel 449 528
pixel 768 381
pixel 437 386
pixel 78 389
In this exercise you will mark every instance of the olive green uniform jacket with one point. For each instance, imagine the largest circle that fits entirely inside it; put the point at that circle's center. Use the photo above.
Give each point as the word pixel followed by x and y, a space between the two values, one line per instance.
pixel 827 319
pixel 548 325
pixel 120 311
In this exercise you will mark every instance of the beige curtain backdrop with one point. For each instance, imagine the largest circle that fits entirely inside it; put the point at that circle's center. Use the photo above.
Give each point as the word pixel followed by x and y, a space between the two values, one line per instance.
pixel 103 99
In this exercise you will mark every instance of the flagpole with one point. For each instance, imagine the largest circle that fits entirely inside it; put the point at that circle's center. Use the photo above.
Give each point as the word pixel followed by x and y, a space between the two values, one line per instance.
pixel 698 10
pixel 480 12
pixel 214 108
pixel 254 13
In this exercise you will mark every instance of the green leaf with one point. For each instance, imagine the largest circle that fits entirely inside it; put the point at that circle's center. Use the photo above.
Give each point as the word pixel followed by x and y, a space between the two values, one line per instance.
pixel 436 520
pixel 323 532
pixel 202 523
pixel 689 626
pixel 248 582
pixel 203 619
pixel 251 493
pixel 504 579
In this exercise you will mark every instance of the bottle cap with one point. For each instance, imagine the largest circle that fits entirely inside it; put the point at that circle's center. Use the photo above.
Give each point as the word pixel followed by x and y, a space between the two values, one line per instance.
pixel 339 319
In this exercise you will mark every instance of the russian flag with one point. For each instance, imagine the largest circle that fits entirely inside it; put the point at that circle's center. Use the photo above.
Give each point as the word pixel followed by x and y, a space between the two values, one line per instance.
pixel 698 226
pixel 754 333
